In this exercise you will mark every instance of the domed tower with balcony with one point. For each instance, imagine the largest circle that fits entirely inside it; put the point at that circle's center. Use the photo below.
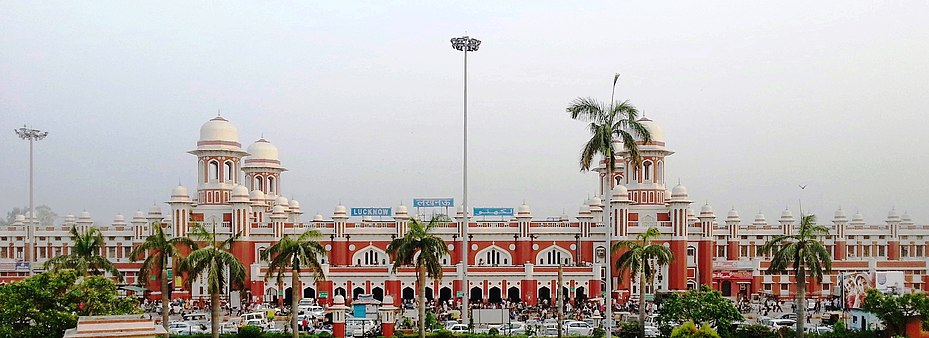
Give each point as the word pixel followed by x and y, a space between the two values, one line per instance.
pixel 263 169
pixel 219 156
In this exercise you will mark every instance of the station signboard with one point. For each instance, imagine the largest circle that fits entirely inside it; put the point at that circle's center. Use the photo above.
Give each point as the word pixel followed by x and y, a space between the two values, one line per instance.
pixel 371 212
pixel 433 202
pixel 493 211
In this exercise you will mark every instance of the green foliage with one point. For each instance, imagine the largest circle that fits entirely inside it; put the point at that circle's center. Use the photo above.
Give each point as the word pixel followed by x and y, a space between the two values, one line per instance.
pixel 444 334
pixel 423 249
pixel 754 331
pixel 250 332
pixel 47 304
pixel 85 256
pixel 432 322
pixel 690 330
pixel 598 332
pixel 704 306
pixel 493 331
pixel 629 330
pixel 895 310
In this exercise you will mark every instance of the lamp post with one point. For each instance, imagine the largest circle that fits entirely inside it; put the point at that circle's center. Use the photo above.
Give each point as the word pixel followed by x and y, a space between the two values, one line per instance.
pixel 465 44
pixel 32 135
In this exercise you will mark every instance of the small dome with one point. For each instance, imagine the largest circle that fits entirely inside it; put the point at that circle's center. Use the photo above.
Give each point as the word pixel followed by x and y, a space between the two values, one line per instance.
pixel 338 299
pixel 340 210
pixel 277 209
pixel 294 204
pixel 318 218
pixel 653 129
pixel 620 194
pixel 401 210
pixel 905 219
pixel 584 210
pixel 84 216
pixel 282 201
pixel 180 191
pixel 70 218
pixel 759 219
pixel 840 215
pixel 892 216
pixel 138 215
pixel 240 191
pixel 857 219
pixel 262 149
pixel 679 192
pixel 524 211
pixel 155 210
pixel 218 130
pixel 706 210
pixel 256 195
pixel 20 218
pixel 596 201
pixel 786 216
pixel 119 218
pixel 733 215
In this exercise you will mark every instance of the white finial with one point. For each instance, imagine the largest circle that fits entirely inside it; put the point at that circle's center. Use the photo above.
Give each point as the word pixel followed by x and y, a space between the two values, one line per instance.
pixel 218 112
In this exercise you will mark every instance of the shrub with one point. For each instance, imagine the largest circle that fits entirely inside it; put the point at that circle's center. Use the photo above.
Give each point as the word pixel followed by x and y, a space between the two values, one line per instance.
pixel 598 333
pixel 690 330
pixel 754 331
pixel 629 330
pixel 493 331
pixel 250 332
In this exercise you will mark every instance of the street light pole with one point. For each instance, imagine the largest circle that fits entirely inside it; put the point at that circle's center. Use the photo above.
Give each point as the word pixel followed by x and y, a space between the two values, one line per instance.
pixel 32 135
pixel 465 44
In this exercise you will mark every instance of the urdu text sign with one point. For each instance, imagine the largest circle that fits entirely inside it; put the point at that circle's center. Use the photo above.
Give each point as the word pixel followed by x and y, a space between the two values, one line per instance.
pixel 493 211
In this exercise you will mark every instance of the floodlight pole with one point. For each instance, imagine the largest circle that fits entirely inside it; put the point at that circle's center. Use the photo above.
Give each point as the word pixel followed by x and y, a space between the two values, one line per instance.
pixel 32 135
pixel 465 44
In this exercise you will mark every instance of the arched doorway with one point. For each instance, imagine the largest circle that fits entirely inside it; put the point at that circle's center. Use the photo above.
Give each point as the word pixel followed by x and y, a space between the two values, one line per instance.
pixel 726 287
pixel 545 294
pixel 408 294
pixel 270 295
pixel 477 295
pixel 580 295
pixel 378 293
pixel 445 294
pixel 565 293
pixel 357 292
pixel 512 294
pixel 495 295
pixel 309 293
pixel 429 294
pixel 339 292
pixel 288 295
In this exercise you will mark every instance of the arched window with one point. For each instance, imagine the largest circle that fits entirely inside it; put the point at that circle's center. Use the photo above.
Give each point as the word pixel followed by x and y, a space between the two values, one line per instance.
pixel 271 185
pixel 493 256
pixel 554 255
pixel 259 183
pixel 200 170
pixel 370 256
pixel 646 170
pixel 230 172
pixel 659 172
pixel 214 170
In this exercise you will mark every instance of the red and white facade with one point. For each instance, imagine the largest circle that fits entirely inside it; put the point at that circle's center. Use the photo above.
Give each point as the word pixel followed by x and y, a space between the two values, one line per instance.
pixel 239 191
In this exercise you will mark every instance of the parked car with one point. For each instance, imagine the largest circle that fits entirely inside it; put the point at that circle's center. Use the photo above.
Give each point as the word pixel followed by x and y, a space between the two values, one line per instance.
pixel 790 315
pixel 260 323
pixel 512 328
pixel 818 329
pixel 779 323
pixel 186 328
pixel 578 328
pixel 458 328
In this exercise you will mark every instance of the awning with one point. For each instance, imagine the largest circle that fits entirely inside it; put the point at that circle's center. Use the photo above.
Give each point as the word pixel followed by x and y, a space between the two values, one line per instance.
pixel 133 288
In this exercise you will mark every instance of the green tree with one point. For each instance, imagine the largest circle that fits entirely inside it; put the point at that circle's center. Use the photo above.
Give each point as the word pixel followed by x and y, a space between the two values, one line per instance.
pixel 704 306
pixel 44 214
pixel 896 310
pixel 690 330
pixel 85 256
pixel 804 255
pixel 216 265
pixel 157 250
pixel 295 255
pixel 645 258
pixel 424 250
pixel 608 123
pixel 47 304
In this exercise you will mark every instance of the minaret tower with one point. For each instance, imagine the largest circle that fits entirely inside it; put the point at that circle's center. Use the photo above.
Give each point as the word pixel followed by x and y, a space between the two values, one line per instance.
pixel 263 169
pixel 646 183
pixel 840 222
pixel 219 156
pixel 732 225
pixel 705 246
pixel 677 270
pixel 893 243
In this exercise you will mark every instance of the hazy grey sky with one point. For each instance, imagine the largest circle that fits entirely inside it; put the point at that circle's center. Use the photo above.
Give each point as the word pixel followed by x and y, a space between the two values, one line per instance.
pixel 363 99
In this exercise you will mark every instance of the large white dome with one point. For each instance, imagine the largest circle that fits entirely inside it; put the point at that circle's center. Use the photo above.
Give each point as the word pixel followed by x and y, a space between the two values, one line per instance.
pixel 219 131
pixel 653 129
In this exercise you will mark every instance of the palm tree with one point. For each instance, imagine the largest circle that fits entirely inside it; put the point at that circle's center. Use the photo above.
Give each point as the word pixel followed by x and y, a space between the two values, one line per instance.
pixel 804 255
pixel 646 258
pixel 217 265
pixel 85 256
pixel 608 123
pixel 157 250
pixel 295 254
pixel 424 250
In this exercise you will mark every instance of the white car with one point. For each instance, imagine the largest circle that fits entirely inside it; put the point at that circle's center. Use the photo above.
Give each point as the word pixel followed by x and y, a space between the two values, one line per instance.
pixel 261 323
pixel 512 328
pixel 458 328
pixel 578 328
pixel 652 331
pixel 185 328
pixel 776 324
pixel 818 329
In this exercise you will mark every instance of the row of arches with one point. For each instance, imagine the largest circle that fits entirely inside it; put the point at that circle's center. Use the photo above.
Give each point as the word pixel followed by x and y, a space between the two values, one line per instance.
pixel 229 172
pixel 492 255
pixel 494 294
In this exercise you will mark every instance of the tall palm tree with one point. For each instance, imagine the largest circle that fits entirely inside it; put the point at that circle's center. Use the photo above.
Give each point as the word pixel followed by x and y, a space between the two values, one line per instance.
pixel 295 255
pixel 646 258
pixel 421 248
pixel 85 256
pixel 607 124
pixel 157 249
pixel 214 263
pixel 803 254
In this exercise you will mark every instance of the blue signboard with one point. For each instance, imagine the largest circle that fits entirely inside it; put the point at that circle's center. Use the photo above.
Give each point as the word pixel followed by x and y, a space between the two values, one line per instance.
pixel 371 212
pixel 493 211
pixel 433 202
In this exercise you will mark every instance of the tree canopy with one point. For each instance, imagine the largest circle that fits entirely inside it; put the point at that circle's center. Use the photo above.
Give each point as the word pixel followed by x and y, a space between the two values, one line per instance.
pixel 704 306
pixel 896 310
pixel 47 304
